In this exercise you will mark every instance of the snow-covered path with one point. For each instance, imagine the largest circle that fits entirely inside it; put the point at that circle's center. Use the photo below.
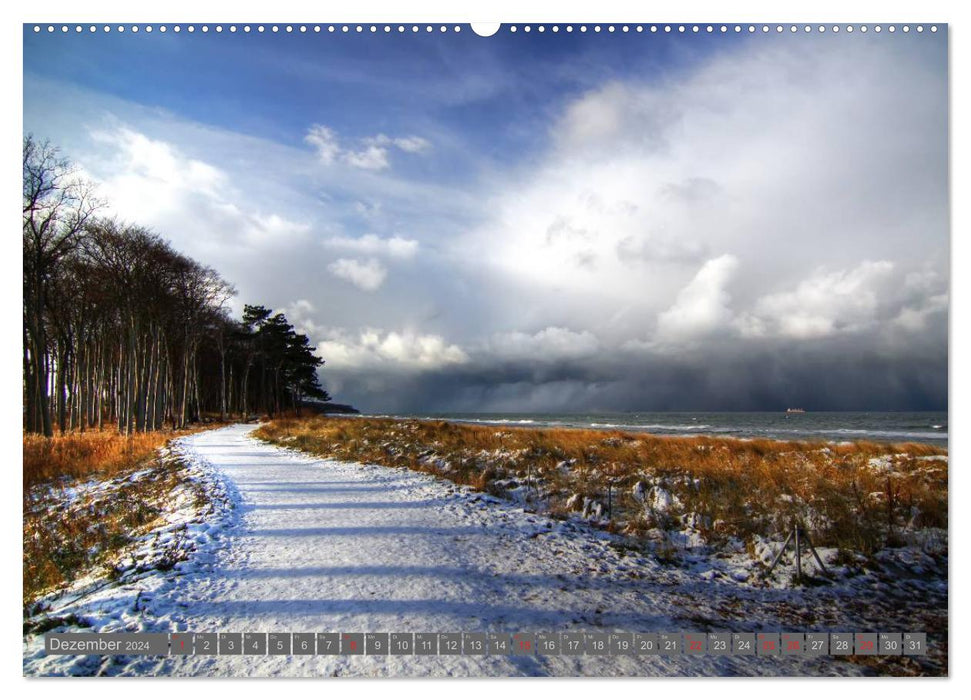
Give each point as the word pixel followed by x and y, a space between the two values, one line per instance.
pixel 324 546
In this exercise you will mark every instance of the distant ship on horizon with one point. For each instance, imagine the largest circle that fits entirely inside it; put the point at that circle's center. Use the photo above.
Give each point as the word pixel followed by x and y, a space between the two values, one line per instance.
pixel 795 410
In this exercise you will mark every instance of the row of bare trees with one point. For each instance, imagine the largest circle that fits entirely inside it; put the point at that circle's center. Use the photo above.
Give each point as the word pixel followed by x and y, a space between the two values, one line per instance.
pixel 120 329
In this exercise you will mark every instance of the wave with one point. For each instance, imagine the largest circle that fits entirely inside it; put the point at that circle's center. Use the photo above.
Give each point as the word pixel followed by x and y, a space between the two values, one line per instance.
pixel 496 421
pixel 652 426
pixel 807 427
pixel 887 433
pixel 858 433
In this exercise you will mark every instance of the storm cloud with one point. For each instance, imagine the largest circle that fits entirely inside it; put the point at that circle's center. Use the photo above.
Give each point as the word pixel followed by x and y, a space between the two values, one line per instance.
pixel 770 231
pixel 761 226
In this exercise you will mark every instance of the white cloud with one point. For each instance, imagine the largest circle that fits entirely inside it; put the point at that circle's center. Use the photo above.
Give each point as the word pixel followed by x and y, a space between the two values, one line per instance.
pixel 702 307
pixel 370 244
pixel 823 304
pixel 369 158
pixel 412 144
pixel 374 151
pixel 152 182
pixel 801 162
pixel 392 350
pixel 142 164
pixel 615 115
pixel 324 141
pixel 367 210
pixel 659 248
pixel 915 318
pixel 367 275
pixel 869 297
pixel 924 295
pixel 409 144
pixel 645 179
pixel 372 348
pixel 267 197
pixel 301 313
pixel 551 344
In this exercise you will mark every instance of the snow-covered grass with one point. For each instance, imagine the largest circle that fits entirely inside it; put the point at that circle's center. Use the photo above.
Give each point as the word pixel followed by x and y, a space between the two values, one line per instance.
pixel 325 545
pixel 716 508
pixel 858 497
pixel 96 529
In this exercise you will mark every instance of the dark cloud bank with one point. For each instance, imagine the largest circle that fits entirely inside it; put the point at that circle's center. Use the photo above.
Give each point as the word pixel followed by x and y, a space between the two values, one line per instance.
pixel 836 378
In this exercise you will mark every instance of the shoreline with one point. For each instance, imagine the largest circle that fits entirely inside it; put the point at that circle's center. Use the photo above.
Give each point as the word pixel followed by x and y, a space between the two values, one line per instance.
pixel 861 493
pixel 418 551
pixel 713 510
pixel 926 434
pixel 657 522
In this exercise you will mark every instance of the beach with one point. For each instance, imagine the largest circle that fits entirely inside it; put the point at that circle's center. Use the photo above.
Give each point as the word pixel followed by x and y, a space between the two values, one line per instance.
pixel 289 540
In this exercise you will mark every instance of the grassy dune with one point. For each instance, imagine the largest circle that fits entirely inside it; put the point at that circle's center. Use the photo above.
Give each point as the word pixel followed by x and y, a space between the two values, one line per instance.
pixel 87 496
pixel 80 455
pixel 860 497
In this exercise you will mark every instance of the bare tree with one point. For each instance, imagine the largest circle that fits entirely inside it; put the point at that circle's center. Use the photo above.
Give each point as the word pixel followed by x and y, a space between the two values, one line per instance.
pixel 119 328
pixel 58 203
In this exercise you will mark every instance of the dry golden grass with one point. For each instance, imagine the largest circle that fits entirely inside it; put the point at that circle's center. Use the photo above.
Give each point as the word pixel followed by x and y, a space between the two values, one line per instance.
pixel 65 539
pixel 79 455
pixel 724 487
pixel 60 544
pixel 100 453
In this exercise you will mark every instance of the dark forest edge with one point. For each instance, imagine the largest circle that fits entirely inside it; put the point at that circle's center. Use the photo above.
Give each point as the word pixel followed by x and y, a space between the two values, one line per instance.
pixel 121 330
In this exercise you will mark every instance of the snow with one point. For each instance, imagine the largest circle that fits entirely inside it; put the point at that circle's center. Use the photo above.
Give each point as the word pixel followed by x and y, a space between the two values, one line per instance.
pixel 884 463
pixel 662 500
pixel 297 544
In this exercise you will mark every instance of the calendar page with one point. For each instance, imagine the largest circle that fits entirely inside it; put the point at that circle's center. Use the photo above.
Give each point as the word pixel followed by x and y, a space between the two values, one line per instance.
pixel 421 349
